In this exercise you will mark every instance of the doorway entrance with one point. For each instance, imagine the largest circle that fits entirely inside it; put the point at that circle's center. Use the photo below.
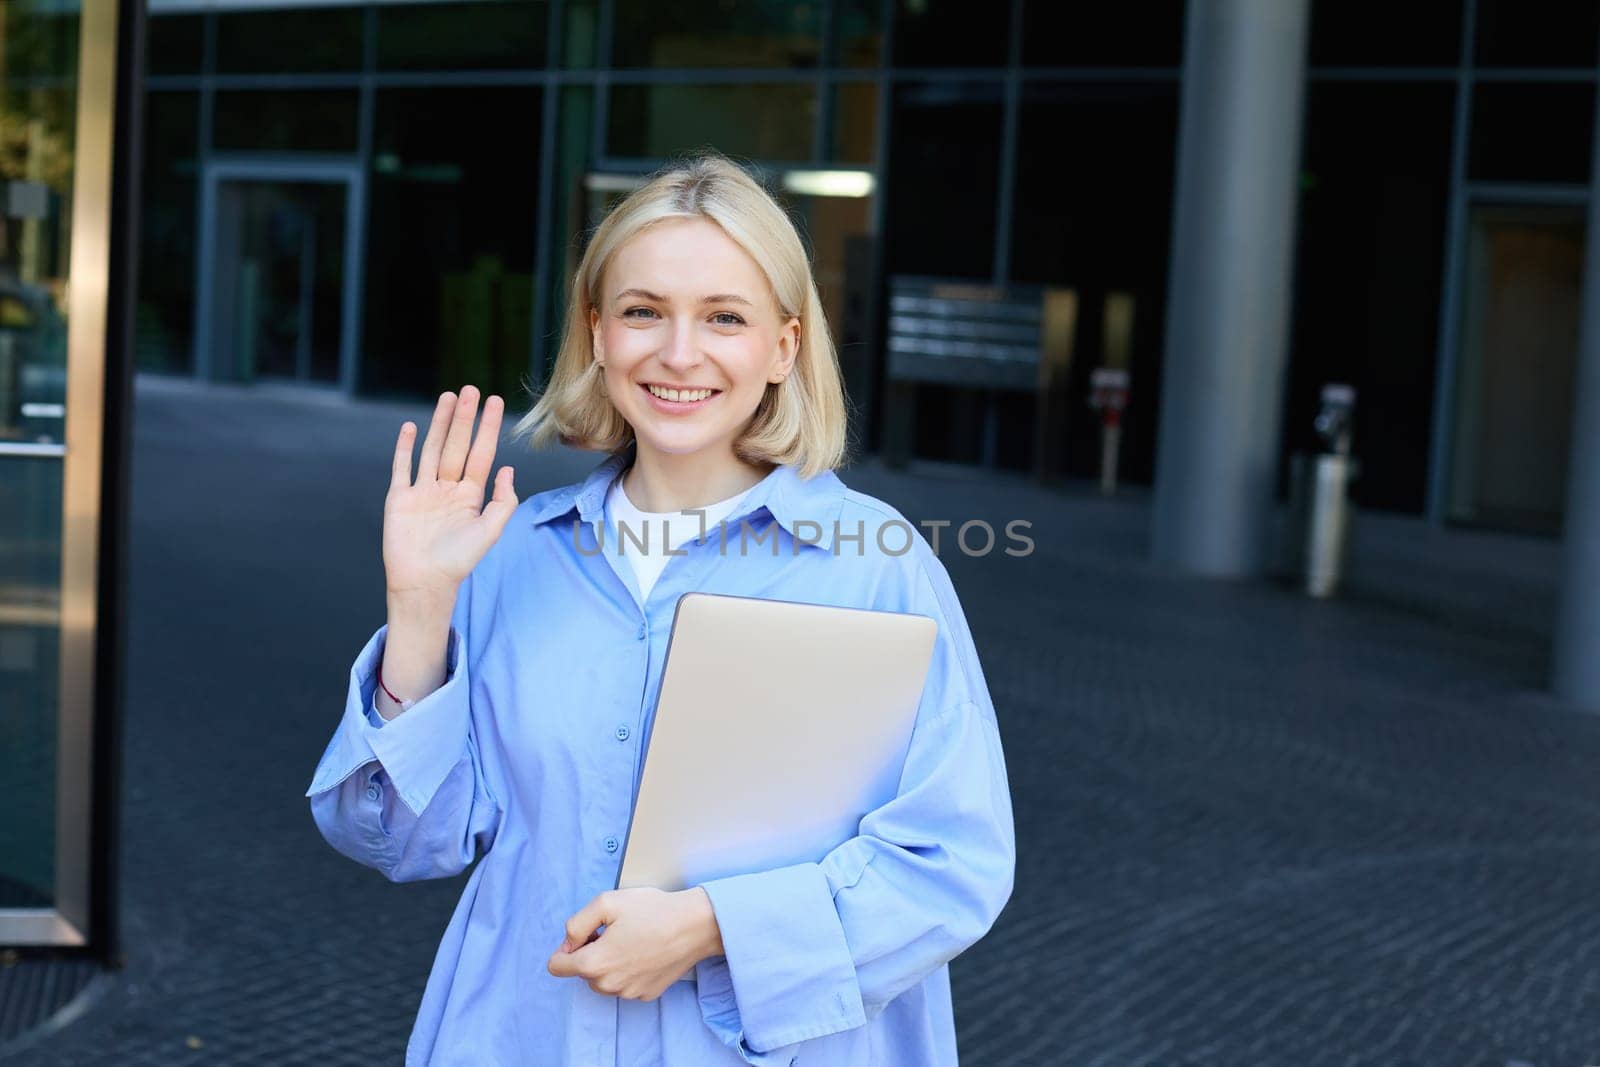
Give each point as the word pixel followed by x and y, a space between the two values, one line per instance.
pixel 1518 362
pixel 280 272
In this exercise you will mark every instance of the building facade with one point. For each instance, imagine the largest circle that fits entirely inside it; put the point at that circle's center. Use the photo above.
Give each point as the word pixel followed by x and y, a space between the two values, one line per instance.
pixel 388 199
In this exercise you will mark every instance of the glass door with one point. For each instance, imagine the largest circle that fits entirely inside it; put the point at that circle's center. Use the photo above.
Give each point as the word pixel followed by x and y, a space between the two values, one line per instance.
pixel 281 271
pixel 58 89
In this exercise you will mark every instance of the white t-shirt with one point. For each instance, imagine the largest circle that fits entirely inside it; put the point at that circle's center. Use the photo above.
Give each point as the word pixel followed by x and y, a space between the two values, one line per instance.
pixel 658 530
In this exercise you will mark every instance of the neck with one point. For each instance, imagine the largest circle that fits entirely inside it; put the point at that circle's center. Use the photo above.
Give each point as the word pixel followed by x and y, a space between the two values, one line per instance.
pixel 662 482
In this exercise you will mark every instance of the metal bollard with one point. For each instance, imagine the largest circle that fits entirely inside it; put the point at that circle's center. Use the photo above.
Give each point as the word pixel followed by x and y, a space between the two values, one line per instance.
pixel 1327 533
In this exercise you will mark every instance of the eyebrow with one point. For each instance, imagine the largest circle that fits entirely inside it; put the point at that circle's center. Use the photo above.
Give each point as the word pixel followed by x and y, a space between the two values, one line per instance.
pixel 715 298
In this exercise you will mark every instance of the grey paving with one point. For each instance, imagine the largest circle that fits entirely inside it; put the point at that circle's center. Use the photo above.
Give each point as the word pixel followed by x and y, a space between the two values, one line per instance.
pixel 1253 828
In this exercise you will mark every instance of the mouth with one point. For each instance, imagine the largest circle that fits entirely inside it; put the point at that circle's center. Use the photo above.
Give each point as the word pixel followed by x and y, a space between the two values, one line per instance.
pixel 676 400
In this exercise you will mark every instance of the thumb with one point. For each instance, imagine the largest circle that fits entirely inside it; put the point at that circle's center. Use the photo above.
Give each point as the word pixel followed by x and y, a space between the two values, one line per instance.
pixel 503 504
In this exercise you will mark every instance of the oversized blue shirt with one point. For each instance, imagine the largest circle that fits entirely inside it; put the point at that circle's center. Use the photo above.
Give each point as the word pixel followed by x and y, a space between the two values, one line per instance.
pixel 531 752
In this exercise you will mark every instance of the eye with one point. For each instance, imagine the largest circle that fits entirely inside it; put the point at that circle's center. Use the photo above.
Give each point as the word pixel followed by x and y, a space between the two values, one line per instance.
pixel 727 318
pixel 642 313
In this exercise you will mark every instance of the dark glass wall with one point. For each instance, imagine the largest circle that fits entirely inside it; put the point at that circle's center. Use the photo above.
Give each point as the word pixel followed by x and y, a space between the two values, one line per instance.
pixel 1028 144
pixel 450 240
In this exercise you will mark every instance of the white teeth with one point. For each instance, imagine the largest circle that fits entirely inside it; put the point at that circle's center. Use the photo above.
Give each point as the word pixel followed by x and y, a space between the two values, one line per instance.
pixel 681 396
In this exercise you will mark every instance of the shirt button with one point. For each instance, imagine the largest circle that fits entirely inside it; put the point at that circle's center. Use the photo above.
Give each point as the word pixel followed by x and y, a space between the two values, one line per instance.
pixel 611 844
pixel 622 733
pixel 643 631
pixel 373 792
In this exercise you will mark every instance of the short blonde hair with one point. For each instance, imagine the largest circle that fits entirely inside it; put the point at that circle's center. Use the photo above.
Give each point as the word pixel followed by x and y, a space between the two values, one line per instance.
pixel 801 420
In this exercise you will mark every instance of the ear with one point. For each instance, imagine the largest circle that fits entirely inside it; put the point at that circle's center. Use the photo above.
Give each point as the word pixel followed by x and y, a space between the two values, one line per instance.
pixel 788 350
pixel 595 342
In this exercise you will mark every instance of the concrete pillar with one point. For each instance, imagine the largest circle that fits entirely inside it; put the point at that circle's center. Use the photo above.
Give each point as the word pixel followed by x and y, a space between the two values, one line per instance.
pixel 1576 658
pixel 1230 284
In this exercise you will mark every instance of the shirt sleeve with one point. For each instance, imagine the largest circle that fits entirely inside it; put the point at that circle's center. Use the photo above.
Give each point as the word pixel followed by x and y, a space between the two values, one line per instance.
pixel 407 796
pixel 816 948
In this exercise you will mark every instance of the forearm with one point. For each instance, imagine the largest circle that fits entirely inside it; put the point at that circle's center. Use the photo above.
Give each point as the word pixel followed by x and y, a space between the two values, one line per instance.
pixel 415 649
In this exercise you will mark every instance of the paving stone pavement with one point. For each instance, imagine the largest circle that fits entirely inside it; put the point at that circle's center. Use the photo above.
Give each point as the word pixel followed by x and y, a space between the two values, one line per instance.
pixel 1253 828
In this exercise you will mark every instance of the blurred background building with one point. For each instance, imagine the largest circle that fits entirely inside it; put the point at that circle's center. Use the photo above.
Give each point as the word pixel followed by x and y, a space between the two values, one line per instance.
pixel 384 200
pixel 388 199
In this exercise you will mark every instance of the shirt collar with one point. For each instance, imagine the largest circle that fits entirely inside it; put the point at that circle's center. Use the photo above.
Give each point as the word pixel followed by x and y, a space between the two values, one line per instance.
pixel 787 497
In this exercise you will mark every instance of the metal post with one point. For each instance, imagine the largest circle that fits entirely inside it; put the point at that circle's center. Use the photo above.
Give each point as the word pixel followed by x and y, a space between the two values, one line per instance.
pixel 1576 659
pixel 1230 287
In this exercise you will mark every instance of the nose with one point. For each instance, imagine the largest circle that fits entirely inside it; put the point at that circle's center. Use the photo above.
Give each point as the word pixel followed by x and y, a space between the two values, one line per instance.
pixel 680 353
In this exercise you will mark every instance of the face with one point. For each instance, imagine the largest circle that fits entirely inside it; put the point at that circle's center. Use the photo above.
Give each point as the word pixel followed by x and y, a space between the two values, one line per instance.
pixel 690 335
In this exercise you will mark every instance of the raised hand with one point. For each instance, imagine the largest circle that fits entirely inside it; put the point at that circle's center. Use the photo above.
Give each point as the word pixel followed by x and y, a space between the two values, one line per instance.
pixel 437 529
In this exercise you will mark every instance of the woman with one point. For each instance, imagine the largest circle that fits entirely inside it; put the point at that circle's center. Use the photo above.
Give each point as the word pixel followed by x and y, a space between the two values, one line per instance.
pixel 505 706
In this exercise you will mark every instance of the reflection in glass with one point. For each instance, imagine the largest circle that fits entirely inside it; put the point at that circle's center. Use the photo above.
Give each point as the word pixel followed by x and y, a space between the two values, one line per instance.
pixel 859 31
pixel 716 33
pixel 855 122
pixel 278 40
pixel 1146 34
pixel 164 320
pixel 944 227
pixel 770 122
pixel 450 243
pixel 174 44
pixel 280 258
pixel 1536 132
pixel 1552 33
pixel 478 35
pixel 947 33
pixel 1418 33
pixel 308 120
pixel 38 99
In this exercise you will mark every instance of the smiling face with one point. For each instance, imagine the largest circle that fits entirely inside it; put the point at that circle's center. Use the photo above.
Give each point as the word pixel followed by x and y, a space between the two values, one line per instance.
pixel 690 334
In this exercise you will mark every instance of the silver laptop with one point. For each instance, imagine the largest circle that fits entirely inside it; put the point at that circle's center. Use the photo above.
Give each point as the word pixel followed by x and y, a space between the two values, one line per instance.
pixel 778 726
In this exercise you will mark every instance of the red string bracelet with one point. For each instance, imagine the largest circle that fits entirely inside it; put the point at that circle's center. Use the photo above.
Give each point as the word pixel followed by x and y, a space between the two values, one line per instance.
pixel 405 705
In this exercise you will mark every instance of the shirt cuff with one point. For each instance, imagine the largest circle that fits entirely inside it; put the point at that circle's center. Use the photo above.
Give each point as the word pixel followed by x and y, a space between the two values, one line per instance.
pixel 417 749
pixel 787 974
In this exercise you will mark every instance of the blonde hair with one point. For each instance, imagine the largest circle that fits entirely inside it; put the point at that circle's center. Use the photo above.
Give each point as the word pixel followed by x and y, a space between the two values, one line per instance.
pixel 799 421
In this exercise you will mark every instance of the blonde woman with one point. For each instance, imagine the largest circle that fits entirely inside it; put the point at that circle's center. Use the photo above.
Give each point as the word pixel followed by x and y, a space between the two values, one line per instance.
pixel 505 707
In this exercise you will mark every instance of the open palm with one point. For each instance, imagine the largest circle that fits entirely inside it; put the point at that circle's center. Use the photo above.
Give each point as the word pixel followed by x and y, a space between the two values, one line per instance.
pixel 437 529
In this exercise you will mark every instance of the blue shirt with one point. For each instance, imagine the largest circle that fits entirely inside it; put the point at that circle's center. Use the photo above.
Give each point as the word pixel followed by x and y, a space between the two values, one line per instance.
pixel 530 754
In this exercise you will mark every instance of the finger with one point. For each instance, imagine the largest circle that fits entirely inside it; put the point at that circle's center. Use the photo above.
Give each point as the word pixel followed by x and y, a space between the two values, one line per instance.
pixel 589 918
pixel 404 445
pixel 562 965
pixel 586 962
pixel 460 436
pixel 503 504
pixel 481 459
pixel 428 464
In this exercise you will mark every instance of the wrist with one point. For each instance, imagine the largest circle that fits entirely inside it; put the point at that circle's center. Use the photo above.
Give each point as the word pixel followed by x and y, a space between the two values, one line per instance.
pixel 421 605
pixel 708 939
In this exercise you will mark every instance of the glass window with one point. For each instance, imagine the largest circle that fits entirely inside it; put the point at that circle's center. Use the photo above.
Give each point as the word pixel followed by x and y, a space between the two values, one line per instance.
pixel 771 122
pixel 715 33
pixel 273 40
pixel 449 266
pixel 1147 34
pixel 1552 33
pixel 38 164
pixel 944 179
pixel 492 35
pixel 859 31
pixel 1092 212
pixel 945 33
pixel 165 312
pixel 1531 132
pixel 174 44
pixel 1418 33
pixel 580 32
pixel 574 135
pixel 1374 194
pixel 308 120
pixel 855 122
